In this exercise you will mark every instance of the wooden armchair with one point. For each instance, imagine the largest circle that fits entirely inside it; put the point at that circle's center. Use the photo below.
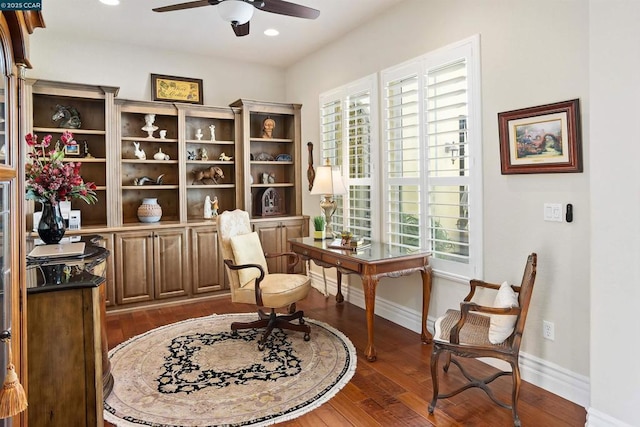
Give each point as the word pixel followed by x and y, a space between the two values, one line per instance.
pixel 466 334
pixel 251 282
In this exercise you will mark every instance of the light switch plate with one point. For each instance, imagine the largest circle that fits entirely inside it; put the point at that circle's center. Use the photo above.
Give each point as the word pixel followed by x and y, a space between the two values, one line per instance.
pixel 553 212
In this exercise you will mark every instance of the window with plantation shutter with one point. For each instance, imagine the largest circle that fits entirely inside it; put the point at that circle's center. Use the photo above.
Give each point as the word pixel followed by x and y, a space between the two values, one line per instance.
pixel 348 129
pixel 429 181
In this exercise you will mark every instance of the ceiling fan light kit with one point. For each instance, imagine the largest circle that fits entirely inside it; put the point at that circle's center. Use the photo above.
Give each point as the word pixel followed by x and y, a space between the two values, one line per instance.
pixel 236 12
pixel 239 12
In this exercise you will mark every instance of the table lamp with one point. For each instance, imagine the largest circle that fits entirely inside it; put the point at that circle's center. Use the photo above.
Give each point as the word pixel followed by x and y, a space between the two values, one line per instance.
pixel 328 182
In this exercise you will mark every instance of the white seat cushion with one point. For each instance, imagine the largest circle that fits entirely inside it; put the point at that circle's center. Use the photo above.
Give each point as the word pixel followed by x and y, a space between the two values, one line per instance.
pixel 278 290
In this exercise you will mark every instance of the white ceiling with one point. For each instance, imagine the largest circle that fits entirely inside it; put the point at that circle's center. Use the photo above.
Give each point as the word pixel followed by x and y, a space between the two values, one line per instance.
pixel 202 31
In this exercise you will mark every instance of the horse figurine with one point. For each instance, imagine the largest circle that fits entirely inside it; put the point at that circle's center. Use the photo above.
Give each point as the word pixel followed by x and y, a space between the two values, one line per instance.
pixel 212 173
pixel 67 117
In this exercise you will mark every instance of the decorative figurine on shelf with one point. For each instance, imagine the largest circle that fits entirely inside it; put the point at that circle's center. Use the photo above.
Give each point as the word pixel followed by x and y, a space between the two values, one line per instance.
pixel 163 134
pixel 160 155
pixel 149 127
pixel 199 134
pixel 146 180
pixel 212 129
pixel 224 157
pixel 215 205
pixel 138 152
pixel 208 213
pixel 203 154
pixel 67 117
pixel 85 151
pixel 210 174
pixel 272 178
pixel 267 127
pixel 265 177
pixel 191 155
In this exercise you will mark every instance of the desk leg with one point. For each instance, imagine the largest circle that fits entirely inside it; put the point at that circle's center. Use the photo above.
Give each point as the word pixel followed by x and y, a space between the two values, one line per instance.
pixel 339 297
pixel 369 285
pixel 426 298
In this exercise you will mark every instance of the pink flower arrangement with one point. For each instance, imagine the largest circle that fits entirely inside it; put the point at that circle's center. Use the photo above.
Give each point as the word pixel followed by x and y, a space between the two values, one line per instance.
pixel 49 178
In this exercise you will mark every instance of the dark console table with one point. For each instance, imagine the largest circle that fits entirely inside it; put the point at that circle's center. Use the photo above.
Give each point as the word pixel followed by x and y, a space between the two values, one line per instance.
pixel 69 369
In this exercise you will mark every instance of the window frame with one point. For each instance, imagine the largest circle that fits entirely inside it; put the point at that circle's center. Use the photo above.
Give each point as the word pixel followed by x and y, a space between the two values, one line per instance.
pixel 469 50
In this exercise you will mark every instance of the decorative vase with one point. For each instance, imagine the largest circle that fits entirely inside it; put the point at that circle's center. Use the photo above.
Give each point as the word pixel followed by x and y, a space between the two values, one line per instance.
pixel 51 226
pixel 149 210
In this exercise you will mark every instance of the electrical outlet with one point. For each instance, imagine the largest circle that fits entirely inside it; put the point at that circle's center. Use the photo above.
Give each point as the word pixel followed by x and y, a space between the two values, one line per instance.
pixel 548 330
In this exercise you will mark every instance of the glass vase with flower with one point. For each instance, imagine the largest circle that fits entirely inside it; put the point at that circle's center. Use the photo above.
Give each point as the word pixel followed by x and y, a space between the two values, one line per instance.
pixel 50 180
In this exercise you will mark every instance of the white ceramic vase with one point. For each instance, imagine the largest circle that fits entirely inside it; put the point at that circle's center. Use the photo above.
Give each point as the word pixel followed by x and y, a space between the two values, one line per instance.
pixel 149 210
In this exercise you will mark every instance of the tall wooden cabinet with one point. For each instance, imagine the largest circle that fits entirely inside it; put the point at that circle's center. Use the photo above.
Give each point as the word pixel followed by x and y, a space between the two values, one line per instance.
pixel 210 131
pixel 190 152
pixel 272 172
pixel 164 174
pixel 95 107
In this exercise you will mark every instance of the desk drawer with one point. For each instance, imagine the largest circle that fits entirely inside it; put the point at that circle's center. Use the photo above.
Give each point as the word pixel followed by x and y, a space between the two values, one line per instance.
pixel 308 253
pixel 341 262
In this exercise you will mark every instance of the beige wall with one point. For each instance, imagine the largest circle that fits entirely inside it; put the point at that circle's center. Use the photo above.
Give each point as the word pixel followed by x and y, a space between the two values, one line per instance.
pixel 615 203
pixel 129 67
pixel 533 53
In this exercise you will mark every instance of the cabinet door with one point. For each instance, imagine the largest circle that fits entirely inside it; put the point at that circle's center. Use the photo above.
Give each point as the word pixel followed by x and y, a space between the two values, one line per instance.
pixel 171 260
pixel 274 238
pixel 134 266
pixel 207 270
pixel 293 229
pixel 271 234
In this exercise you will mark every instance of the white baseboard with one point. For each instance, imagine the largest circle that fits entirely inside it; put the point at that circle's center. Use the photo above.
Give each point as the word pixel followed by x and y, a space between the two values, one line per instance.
pixel 596 418
pixel 544 374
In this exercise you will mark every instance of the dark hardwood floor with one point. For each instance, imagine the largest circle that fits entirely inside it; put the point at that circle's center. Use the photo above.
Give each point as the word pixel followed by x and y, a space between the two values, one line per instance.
pixel 394 390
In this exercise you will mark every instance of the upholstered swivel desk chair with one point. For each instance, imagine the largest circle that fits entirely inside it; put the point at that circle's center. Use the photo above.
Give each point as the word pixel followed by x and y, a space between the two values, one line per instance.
pixel 466 334
pixel 251 282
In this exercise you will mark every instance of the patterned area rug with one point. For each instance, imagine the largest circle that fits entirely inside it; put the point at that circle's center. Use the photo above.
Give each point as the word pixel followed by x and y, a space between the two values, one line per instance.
pixel 197 373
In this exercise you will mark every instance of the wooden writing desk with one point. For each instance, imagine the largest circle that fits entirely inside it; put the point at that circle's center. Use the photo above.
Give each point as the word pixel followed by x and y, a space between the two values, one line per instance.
pixel 371 263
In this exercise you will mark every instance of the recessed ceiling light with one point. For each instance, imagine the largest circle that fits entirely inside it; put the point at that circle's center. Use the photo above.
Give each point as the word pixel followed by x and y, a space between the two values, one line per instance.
pixel 110 2
pixel 271 32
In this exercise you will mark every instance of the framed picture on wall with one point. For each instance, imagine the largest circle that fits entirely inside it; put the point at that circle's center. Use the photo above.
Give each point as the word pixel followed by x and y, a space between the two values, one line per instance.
pixel 542 139
pixel 176 89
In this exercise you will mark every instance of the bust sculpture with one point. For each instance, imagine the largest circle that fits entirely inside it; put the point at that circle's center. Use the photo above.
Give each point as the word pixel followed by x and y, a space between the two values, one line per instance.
pixel 267 127
pixel 149 127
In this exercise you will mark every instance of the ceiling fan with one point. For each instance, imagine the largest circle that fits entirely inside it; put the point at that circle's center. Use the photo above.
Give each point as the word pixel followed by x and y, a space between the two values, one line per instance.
pixel 239 12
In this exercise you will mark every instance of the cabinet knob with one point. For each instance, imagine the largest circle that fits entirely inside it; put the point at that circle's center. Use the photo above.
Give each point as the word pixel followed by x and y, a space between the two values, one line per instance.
pixel 338 263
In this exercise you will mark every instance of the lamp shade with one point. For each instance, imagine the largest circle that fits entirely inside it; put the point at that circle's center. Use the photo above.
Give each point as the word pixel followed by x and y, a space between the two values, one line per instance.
pixel 235 11
pixel 328 181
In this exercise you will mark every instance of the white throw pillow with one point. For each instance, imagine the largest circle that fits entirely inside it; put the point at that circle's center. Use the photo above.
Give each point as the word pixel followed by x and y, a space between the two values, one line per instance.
pixel 248 250
pixel 501 327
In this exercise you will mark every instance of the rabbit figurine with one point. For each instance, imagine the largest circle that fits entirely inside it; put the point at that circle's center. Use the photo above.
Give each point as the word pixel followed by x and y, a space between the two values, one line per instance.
pixel 138 152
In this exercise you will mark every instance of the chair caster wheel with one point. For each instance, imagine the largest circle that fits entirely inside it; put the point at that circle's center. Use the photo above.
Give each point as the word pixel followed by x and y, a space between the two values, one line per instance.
pixel 431 408
pixel 301 321
pixel 307 337
pixel 234 333
pixel 260 346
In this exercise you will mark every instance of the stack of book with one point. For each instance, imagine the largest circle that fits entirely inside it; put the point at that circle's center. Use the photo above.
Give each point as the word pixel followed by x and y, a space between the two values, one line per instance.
pixel 355 244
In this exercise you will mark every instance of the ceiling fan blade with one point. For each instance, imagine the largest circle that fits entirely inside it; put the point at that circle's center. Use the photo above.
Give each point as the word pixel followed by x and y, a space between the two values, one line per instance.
pixel 241 30
pixel 188 5
pixel 282 7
